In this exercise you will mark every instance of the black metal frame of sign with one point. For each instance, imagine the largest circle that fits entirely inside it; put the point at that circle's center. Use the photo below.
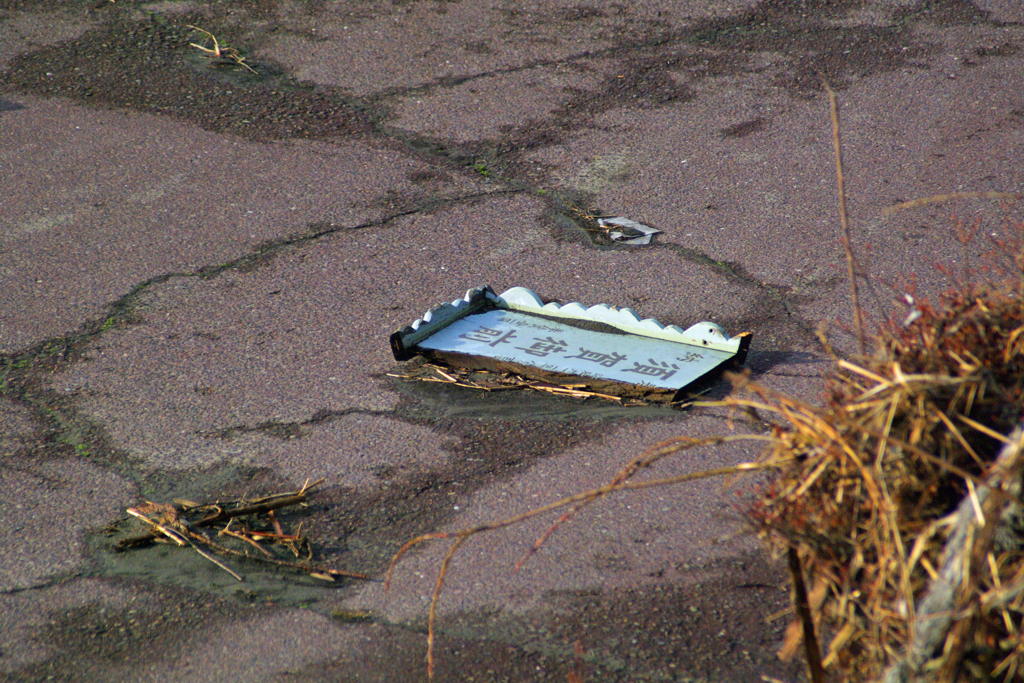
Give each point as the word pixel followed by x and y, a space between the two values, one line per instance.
pixel 606 348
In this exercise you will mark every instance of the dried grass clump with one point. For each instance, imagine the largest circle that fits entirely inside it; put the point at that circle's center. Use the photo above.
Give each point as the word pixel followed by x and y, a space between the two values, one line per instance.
pixel 902 495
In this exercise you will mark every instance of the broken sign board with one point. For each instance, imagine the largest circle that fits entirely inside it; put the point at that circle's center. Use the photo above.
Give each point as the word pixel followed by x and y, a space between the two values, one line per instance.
pixel 607 348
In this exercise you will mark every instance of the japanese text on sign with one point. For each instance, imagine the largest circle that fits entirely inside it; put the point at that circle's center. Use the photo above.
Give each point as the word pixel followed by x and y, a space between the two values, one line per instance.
pixel 521 338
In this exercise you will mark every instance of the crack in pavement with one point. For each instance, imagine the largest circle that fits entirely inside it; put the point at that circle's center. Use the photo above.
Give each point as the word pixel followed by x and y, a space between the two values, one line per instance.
pixel 18 368
pixel 266 251
pixel 419 498
pixel 767 26
pixel 122 308
pixel 767 21
pixel 289 429
pixel 60 423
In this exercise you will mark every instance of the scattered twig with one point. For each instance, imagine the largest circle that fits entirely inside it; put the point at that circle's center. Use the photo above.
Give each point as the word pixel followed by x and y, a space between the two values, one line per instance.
pixel 621 482
pixel 446 375
pixel 803 608
pixel 587 216
pixel 228 55
pixel 435 599
pixel 181 540
pixel 217 562
pixel 173 522
pixel 938 198
pixel 247 539
pixel 226 511
pixel 571 390
pixel 159 529
pixel 506 382
pixel 858 314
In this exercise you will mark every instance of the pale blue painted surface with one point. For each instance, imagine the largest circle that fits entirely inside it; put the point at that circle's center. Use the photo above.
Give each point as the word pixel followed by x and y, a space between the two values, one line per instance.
pixel 525 339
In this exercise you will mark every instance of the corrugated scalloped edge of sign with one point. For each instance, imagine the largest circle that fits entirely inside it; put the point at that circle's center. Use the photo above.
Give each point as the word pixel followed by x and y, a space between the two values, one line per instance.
pixel 703 334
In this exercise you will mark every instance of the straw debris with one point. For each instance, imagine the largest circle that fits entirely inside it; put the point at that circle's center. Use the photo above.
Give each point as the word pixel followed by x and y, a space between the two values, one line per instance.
pixel 900 498
pixel 484 380
pixel 251 523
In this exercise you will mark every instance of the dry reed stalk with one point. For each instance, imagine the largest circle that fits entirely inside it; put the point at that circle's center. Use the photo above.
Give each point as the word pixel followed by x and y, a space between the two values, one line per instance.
pixel 858 312
pixel 935 199
pixel 803 609
pixel 621 482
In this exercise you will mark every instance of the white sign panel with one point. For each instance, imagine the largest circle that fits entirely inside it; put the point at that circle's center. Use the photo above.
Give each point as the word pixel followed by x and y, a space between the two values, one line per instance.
pixel 516 337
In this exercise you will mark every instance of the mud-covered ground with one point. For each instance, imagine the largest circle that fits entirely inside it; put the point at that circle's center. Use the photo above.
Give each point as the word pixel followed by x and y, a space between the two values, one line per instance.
pixel 202 260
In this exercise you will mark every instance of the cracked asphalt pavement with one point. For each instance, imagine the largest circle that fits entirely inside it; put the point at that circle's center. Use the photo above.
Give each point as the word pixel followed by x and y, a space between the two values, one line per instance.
pixel 201 264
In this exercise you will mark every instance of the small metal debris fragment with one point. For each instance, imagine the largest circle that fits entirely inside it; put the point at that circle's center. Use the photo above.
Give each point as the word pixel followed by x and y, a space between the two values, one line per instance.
pixel 631 232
